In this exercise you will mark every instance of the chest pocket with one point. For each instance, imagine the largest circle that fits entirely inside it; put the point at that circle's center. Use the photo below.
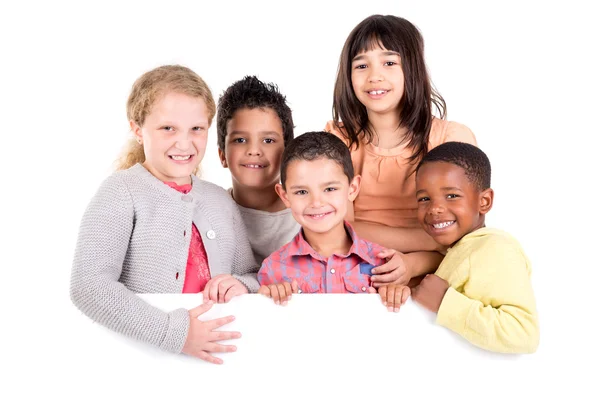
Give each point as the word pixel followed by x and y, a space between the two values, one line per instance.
pixel 358 279
pixel 307 285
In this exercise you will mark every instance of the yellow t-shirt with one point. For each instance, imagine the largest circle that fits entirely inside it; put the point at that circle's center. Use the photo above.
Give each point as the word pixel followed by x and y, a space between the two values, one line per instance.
pixel 490 301
pixel 388 189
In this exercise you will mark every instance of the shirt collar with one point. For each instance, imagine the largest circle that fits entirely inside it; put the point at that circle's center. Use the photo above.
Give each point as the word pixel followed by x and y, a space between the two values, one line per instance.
pixel 361 248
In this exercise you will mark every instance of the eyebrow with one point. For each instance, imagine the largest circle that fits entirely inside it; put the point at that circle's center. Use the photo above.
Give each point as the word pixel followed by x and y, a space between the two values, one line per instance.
pixel 324 184
pixel 176 125
pixel 385 53
pixel 451 188
pixel 331 183
pixel 260 132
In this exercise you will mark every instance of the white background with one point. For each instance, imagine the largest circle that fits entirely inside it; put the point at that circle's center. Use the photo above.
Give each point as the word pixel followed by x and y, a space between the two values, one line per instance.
pixel 522 75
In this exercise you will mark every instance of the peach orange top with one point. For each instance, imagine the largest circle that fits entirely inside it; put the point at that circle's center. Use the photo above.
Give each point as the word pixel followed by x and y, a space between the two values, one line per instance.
pixel 388 189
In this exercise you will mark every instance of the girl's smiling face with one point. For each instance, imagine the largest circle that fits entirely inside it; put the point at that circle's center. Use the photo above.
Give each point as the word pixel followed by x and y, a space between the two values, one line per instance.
pixel 378 80
pixel 174 136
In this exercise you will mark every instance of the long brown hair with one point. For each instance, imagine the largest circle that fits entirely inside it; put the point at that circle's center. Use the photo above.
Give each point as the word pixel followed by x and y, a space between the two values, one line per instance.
pixel 416 106
pixel 147 89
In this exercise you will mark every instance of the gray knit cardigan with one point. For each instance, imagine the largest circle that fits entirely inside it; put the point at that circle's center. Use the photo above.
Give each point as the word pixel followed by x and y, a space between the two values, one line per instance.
pixel 134 238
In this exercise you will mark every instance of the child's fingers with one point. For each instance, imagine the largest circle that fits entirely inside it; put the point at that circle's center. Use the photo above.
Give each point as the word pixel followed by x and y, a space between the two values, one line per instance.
pixel 391 294
pixel 219 348
pixel 201 309
pixel 295 287
pixel 371 290
pixel 212 288
pixel 398 295
pixel 224 286
pixel 219 322
pixel 405 294
pixel 384 269
pixel 383 294
pixel 274 293
pixel 288 290
pixel 282 294
pixel 216 336
pixel 264 290
pixel 386 253
pixel 203 355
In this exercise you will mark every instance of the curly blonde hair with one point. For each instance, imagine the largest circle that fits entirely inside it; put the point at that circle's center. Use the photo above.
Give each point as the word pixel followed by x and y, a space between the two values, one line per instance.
pixel 147 89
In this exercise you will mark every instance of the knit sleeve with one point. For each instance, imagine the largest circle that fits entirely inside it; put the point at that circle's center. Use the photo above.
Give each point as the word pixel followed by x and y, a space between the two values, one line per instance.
pixel 497 310
pixel 244 266
pixel 102 246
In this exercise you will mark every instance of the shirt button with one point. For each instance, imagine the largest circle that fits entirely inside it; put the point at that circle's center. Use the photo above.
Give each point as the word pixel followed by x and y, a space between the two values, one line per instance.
pixel 187 198
pixel 332 270
pixel 364 289
pixel 211 234
pixel 299 290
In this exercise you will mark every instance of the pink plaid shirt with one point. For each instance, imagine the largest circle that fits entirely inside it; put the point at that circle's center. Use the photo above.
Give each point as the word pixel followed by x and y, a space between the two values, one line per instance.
pixel 349 273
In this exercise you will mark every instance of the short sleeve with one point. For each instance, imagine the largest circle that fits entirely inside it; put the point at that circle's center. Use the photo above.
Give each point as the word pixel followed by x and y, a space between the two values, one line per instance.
pixel 456 132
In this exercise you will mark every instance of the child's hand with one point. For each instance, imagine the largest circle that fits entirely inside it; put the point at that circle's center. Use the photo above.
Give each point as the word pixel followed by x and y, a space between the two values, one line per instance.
pixel 202 335
pixel 223 288
pixel 396 270
pixel 393 296
pixel 279 292
pixel 430 292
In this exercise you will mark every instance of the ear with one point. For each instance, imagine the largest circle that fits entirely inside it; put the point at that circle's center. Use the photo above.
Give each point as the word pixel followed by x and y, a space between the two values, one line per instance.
pixel 354 187
pixel 486 200
pixel 282 194
pixel 137 131
pixel 223 159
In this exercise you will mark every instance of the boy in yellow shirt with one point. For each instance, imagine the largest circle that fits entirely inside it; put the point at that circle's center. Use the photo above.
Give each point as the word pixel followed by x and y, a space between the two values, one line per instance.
pixel 482 288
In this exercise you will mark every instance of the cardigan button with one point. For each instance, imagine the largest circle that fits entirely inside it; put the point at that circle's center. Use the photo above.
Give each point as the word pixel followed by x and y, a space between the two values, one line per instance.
pixel 211 234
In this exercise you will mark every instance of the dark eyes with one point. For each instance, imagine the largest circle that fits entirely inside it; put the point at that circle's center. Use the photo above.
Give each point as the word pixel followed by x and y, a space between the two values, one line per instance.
pixel 387 64
pixel 244 140
pixel 448 196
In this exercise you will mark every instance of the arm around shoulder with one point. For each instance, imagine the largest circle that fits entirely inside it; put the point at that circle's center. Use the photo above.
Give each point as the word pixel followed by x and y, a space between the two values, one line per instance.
pixel 497 310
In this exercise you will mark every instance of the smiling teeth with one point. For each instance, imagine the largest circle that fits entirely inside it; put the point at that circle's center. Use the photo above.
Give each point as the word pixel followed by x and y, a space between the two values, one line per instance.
pixel 317 215
pixel 180 158
pixel 377 92
pixel 443 224
pixel 254 166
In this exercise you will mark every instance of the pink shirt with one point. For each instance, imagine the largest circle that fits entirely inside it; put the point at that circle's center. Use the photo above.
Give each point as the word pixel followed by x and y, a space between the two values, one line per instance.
pixel 339 273
pixel 197 273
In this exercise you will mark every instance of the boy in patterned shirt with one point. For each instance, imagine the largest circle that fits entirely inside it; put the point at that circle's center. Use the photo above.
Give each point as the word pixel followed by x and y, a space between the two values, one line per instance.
pixel 326 256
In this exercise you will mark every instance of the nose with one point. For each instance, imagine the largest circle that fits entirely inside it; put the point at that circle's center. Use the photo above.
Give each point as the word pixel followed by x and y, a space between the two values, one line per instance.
pixel 254 149
pixel 435 208
pixel 316 201
pixel 375 74
pixel 183 141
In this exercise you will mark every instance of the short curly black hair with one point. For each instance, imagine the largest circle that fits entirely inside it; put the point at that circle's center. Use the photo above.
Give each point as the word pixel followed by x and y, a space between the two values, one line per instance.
pixel 470 158
pixel 314 145
pixel 250 92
